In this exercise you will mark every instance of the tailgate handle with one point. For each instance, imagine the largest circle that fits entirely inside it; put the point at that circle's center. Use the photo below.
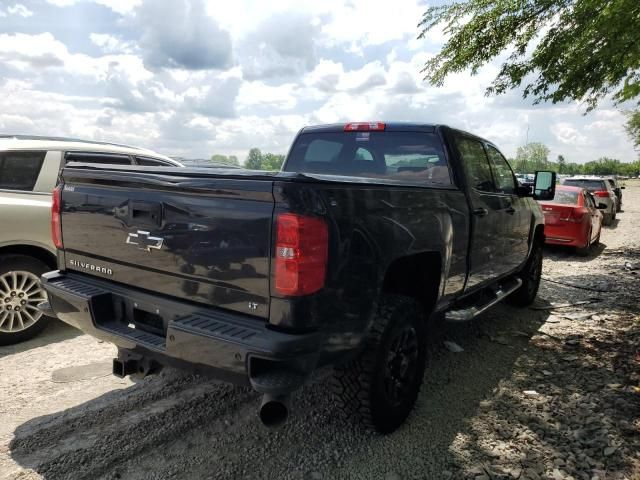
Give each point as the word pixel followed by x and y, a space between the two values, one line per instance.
pixel 145 213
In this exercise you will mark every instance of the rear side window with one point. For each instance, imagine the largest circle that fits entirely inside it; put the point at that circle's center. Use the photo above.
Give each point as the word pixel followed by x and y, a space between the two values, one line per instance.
pixel 151 162
pixel 591 185
pixel 415 158
pixel 102 158
pixel 20 170
pixel 566 197
pixel 476 164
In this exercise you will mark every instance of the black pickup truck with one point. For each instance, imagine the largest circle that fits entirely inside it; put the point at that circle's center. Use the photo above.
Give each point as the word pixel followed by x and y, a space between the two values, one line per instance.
pixel 369 231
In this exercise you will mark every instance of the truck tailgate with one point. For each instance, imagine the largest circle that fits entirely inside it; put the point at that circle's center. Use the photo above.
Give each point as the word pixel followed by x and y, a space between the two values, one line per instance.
pixel 203 238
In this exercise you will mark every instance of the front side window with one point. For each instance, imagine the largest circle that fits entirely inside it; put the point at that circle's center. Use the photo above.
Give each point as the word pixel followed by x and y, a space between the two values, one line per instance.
pixel 20 170
pixel 415 158
pixel 475 163
pixel 501 171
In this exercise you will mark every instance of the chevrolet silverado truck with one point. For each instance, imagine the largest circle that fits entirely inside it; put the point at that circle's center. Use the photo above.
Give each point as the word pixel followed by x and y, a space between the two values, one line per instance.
pixel 339 260
pixel 29 168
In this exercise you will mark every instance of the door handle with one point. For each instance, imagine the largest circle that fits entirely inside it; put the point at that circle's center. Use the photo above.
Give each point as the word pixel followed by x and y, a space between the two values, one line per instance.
pixel 510 210
pixel 480 212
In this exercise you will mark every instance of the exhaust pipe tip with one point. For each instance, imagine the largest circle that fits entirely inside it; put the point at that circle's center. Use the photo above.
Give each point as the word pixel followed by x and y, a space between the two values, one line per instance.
pixel 274 410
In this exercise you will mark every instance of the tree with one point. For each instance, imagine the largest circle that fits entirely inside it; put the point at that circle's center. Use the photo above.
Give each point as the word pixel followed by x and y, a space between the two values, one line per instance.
pixel 557 49
pixel 562 164
pixel 254 160
pixel 633 127
pixel 272 161
pixel 531 157
pixel 230 160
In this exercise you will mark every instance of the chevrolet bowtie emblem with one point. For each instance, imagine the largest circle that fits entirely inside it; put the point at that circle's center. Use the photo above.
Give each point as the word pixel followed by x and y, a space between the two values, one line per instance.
pixel 144 240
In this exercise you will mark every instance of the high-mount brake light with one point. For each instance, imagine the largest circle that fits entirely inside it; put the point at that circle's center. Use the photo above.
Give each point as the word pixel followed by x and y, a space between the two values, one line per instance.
pixel 56 226
pixel 301 253
pixel 364 127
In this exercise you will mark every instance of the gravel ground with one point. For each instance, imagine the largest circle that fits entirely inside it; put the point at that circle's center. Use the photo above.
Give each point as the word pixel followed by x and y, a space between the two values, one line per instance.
pixel 547 392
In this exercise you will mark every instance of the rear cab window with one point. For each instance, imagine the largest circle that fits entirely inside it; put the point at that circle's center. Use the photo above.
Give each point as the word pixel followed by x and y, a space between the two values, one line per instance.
pixel 413 158
pixel 20 170
pixel 591 185
pixel 565 197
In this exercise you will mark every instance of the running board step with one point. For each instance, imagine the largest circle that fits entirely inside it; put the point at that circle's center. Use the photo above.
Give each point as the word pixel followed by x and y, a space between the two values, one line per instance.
pixel 499 293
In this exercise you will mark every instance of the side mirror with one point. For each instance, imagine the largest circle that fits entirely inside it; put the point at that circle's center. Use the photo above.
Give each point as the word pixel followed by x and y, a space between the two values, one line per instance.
pixel 544 185
pixel 602 206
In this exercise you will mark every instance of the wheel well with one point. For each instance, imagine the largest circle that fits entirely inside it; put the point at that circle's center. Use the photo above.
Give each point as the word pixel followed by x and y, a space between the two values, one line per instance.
pixel 41 254
pixel 416 276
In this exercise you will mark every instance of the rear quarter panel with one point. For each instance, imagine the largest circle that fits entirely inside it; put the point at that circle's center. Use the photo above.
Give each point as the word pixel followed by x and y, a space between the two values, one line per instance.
pixel 370 227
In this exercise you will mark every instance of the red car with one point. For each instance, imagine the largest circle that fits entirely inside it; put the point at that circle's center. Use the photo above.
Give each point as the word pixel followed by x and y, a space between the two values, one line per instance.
pixel 572 218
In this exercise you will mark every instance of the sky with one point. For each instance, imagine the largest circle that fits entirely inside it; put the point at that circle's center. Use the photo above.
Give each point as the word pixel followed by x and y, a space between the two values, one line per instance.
pixel 194 78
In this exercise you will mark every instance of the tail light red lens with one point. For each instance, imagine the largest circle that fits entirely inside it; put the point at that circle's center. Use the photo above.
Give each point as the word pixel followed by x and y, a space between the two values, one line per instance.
pixel 56 226
pixel 577 215
pixel 301 253
pixel 601 193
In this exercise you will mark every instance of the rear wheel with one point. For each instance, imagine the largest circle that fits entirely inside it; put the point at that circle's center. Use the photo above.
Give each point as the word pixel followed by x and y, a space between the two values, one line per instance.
pixel 607 219
pixel 530 276
pixel 20 294
pixel 380 387
pixel 584 251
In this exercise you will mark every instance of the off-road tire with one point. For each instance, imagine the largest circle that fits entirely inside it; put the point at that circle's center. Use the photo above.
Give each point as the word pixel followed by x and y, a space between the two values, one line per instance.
pixel 23 263
pixel 359 386
pixel 530 275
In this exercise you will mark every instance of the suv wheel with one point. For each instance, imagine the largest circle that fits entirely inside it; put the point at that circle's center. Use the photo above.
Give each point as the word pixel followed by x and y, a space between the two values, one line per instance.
pixel 530 275
pixel 20 294
pixel 380 387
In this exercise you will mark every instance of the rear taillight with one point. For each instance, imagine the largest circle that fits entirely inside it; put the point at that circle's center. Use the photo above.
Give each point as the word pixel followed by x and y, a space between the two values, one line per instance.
pixel 301 254
pixel 601 193
pixel 364 127
pixel 56 226
pixel 576 215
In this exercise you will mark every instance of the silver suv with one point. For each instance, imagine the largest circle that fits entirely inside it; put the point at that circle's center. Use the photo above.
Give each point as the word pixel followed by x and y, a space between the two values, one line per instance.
pixel 29 168
pixel 601 190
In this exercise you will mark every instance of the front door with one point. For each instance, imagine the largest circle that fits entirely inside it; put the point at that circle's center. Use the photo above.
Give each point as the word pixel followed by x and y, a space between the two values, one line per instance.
pixel 516 214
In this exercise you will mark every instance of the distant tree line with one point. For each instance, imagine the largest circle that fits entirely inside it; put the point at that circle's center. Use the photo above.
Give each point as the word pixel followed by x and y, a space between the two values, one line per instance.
pixel 535 156
pixel 256 160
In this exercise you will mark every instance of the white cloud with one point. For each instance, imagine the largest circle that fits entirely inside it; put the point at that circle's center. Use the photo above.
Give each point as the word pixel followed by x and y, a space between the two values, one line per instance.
pixel 17 9
pixel 196 77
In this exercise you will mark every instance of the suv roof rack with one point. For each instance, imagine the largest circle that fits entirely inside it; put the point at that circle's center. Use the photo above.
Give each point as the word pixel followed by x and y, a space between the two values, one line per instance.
pixel 63 139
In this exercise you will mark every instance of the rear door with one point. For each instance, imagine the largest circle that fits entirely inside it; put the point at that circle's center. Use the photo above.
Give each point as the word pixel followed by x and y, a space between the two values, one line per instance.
pixel 487 208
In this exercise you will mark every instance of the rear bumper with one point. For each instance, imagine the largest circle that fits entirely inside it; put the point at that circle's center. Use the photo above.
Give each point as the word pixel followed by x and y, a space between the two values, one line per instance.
pixel 231 347
pixel 572 235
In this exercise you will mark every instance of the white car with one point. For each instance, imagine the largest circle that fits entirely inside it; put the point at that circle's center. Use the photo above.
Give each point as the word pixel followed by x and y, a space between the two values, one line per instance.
pixel 29 168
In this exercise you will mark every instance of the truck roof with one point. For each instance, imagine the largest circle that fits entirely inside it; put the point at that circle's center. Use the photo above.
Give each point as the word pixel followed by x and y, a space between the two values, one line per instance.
pixel 35 142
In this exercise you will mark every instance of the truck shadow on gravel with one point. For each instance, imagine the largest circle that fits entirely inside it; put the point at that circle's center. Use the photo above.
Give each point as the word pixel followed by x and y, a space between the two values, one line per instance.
pixel 55 332
pixel 472 417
